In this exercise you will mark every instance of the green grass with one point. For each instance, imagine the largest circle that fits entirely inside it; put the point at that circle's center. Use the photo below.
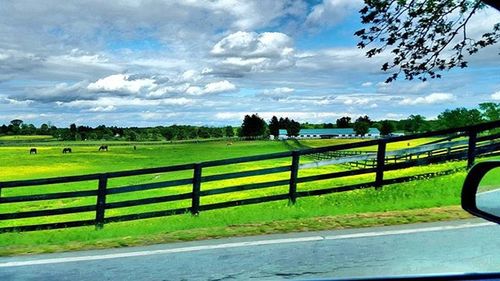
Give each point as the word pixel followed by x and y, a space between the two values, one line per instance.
pixel 390 146
pixel 210 225
pixel 490 181
pixel 14 138
pixel 16 163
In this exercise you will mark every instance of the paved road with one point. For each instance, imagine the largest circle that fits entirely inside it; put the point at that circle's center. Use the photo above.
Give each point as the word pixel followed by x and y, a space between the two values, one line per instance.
pixel 488 201
pixel 460 246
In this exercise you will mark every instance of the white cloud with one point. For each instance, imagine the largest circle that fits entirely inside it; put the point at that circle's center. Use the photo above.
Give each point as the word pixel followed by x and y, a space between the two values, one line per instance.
pixel 434 98
pixel 190 76
pixel 112 103
pixel 321 116
pixel 157 115
pixel 18 103
pixel 58 92
pixel 277 93
pixel 412 88
pixel 341 59
pixel 108 108
pixel 354 100
pixel 330 12
pixel 121 83
pixel 165 91
pixel 80 58
pixel 219 87
pixel 281 90
pixel 367 84
pixel 14 62
pixel 252 45
pixel 496 96
pixel 212 88
pixel 394 116
pixel 250 51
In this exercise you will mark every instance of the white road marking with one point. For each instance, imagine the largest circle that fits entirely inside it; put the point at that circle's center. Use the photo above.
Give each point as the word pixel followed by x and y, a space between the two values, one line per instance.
pixel 407 231
pixel 238 244
pixel 486 192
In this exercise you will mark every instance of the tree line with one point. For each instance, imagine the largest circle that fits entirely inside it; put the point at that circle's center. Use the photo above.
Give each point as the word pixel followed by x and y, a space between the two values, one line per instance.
pixel 102 132
pixel 254 126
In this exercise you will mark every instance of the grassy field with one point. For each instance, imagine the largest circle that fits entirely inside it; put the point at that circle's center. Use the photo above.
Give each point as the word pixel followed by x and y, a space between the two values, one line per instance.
pixel 390 146
pixel 15 138
pixel 490 181
pixel 16 163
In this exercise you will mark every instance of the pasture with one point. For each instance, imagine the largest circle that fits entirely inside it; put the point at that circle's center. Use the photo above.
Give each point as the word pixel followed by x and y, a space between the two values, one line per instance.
pixel 15 138
pixel 16 163
pixel 390 146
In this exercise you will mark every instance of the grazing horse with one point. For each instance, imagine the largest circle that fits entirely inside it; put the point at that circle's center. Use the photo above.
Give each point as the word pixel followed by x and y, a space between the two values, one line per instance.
pixel 229 143
pixel 103 147
pixel 66 150
pixel 33 151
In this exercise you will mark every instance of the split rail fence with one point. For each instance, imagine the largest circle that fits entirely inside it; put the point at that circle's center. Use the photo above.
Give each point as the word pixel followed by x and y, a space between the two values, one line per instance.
pixel 478 140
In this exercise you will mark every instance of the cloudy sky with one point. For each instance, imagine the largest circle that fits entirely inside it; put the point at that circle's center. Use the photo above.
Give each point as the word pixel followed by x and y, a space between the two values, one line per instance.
pixel 153 62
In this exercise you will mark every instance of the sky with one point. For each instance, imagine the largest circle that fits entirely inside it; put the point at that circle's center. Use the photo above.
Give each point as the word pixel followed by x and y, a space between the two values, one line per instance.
pixel 200 62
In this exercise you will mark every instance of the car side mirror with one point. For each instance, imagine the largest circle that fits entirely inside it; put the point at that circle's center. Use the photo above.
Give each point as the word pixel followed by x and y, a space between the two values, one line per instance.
pixel 481 191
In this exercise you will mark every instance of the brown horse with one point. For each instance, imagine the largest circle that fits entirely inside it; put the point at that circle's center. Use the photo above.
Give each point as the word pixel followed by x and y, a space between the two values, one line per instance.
pixel 103 147
pixel 33 151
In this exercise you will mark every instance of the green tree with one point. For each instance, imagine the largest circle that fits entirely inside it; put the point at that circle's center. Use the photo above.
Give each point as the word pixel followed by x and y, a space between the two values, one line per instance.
pixel 414 123
pixel 30 129
pixel 44 129
pixel 130 135
pixel 344 122
pixel 365 119
pixel 362 125
pixel 253 126
pixel 73 131
pixel 386 127
pixel 16 122
pixel 274 127
pixel 490 111
pixel 203 132
pixel 459 117
pixel 229 131
pixel 424 37
pixel 15 126
pixel 292 128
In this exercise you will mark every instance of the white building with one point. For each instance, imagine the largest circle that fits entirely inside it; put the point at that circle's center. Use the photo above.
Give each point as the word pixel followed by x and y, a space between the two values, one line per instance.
pixel 330 133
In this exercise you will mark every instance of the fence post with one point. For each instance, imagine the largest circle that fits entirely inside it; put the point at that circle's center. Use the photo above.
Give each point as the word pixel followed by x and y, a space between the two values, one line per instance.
pixel 379 177
pixel 195 203
pixel 101 201
pixel 292 193
pixel 471 151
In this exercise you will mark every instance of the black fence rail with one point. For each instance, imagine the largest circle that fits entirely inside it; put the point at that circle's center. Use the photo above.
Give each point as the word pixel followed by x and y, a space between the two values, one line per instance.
pixel 478 142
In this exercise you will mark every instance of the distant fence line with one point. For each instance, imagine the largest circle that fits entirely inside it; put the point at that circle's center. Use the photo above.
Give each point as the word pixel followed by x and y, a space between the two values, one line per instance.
pixel 437 152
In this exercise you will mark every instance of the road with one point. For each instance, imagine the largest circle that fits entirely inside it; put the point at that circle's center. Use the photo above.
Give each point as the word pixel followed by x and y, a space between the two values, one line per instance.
pixel 459 246
pixel 488 201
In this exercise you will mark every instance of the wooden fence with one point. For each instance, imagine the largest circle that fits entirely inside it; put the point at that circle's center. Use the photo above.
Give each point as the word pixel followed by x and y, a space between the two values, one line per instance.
pixel 478 142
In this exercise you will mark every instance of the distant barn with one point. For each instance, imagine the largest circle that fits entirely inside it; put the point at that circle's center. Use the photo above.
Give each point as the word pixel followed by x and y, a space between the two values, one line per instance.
pixel 330 133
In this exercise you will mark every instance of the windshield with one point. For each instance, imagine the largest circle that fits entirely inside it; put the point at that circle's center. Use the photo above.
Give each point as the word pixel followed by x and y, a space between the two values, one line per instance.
pixel 211 140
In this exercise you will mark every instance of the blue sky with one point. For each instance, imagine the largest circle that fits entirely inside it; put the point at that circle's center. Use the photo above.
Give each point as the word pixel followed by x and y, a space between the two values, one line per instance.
pixel 152 62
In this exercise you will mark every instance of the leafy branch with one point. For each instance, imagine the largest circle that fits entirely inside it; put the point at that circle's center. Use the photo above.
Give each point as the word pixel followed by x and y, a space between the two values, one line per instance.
pixel 424 36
